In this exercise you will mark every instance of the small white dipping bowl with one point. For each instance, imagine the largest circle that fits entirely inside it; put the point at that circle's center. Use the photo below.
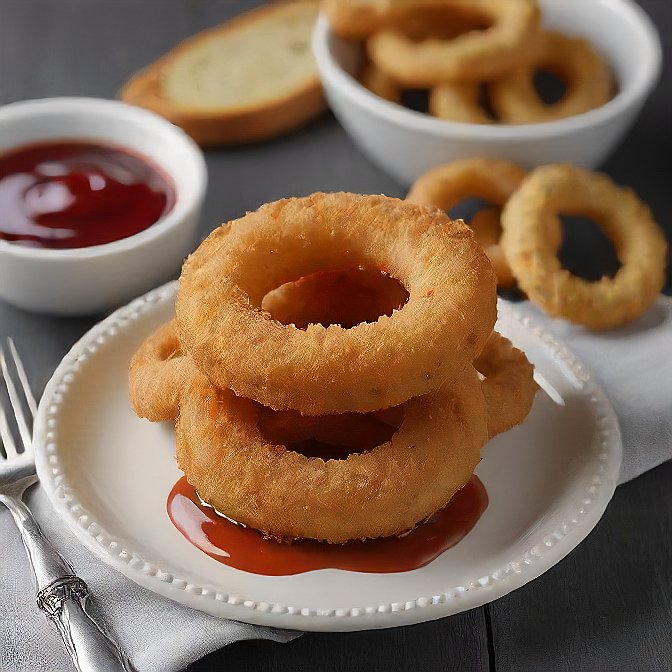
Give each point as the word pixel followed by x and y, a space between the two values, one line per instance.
pixel 93 279
pixel 405 143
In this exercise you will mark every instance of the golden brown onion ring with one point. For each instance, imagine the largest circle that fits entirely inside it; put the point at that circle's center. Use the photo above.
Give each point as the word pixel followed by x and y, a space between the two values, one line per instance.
pixel 493 180
pixel 458 101
pixel 471 57
pixel 508 384
pixel 359 19
pixel 158 374
pixel 488 230
pixel 573 60
pixel 443 326
pixel 284 494
pixel 529 220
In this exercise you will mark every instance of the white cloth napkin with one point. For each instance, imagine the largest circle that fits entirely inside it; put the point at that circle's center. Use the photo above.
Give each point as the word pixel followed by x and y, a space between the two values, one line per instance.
pixel 633 364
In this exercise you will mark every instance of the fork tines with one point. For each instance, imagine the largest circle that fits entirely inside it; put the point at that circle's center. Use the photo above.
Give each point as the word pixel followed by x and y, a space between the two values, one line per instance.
pixel 23 425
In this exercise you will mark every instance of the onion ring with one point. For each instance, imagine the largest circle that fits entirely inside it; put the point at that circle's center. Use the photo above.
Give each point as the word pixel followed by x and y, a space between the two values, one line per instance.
pixel 158 373
pixel 359 19
pixel 528 221
pixel 587 78
pixel 380 84
pixel 287 495
pixel 493 180
pixel 471 57
pixel 321 370
pixel 354 20
pixel 488 230
pixel 508 384
pixel 458 101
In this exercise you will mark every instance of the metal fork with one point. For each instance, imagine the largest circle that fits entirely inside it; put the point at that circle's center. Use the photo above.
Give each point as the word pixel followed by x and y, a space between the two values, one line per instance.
pixel 62 595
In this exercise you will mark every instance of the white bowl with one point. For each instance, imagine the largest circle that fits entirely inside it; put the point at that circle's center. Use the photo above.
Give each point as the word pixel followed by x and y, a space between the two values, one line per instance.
pixel 93 279
pixel 406 144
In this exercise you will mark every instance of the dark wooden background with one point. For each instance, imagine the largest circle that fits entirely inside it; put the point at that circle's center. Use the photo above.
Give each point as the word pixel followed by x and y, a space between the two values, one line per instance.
pixel 608 606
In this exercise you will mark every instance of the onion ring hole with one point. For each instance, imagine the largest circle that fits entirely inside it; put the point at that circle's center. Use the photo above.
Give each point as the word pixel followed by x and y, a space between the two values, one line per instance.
pixel 346 297
pixel 550 86
pixel 329 437
pixel 583 244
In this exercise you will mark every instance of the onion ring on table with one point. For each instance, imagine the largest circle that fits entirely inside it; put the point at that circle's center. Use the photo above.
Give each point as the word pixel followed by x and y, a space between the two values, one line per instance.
pixel 470 57
pixel 333 370
pixel 493 180
pixel 508 383
pixel 158 373
pixel 528 220
pixel 458 101
pixel 488 230
pixel 588 81
pixel 346 298
pixel 287 495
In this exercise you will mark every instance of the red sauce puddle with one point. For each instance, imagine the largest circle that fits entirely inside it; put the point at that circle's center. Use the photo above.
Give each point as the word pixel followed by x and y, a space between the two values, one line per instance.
pixel 246 549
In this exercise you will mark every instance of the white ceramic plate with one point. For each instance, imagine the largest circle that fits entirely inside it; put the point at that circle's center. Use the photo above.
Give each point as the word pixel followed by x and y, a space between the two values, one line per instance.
pixel 109 473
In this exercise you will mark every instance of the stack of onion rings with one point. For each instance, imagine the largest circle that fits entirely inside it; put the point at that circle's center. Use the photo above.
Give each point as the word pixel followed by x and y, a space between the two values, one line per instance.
pixel 414 455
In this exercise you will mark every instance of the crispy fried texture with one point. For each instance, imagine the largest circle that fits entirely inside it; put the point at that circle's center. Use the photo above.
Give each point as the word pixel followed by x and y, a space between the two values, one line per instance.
pixel 588 80
pixel 472 57
pixel 488 230
pixel 346 298
pixel 508 384
pixel 528 221
pixel 493 180
pixel 443 326
pixel 158 374
pixel 383 492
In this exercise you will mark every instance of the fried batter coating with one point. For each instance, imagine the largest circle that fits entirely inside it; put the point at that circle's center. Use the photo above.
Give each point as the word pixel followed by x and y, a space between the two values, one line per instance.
pixel 284 494
pixel 529 220
pixel 449 314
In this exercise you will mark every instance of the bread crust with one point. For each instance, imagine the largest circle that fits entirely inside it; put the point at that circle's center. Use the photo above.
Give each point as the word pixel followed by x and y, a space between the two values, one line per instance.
pixel 231 125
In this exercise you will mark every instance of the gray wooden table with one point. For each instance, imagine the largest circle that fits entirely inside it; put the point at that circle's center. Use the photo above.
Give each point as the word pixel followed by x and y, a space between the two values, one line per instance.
pixel 608 606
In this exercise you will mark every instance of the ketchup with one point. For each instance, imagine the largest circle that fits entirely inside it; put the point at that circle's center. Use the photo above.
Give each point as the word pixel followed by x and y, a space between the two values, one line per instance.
pixel 64 195
pixel 247 549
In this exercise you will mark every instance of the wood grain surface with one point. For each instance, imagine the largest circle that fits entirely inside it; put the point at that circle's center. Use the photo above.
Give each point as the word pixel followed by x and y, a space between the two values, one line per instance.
pixel 608 606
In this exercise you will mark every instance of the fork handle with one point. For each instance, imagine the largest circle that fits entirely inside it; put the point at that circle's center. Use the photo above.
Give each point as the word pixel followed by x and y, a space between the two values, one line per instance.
pixel 63 597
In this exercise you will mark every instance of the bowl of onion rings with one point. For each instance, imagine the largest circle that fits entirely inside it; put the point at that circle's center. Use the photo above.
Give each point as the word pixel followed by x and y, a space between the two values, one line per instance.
pixel 602 96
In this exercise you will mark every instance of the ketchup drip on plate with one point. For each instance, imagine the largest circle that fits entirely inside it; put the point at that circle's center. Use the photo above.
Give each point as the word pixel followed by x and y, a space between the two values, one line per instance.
pixel 246 549
pixel 64 195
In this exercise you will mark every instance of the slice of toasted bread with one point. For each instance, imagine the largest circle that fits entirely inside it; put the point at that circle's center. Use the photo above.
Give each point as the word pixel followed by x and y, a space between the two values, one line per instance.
pixel 249 79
